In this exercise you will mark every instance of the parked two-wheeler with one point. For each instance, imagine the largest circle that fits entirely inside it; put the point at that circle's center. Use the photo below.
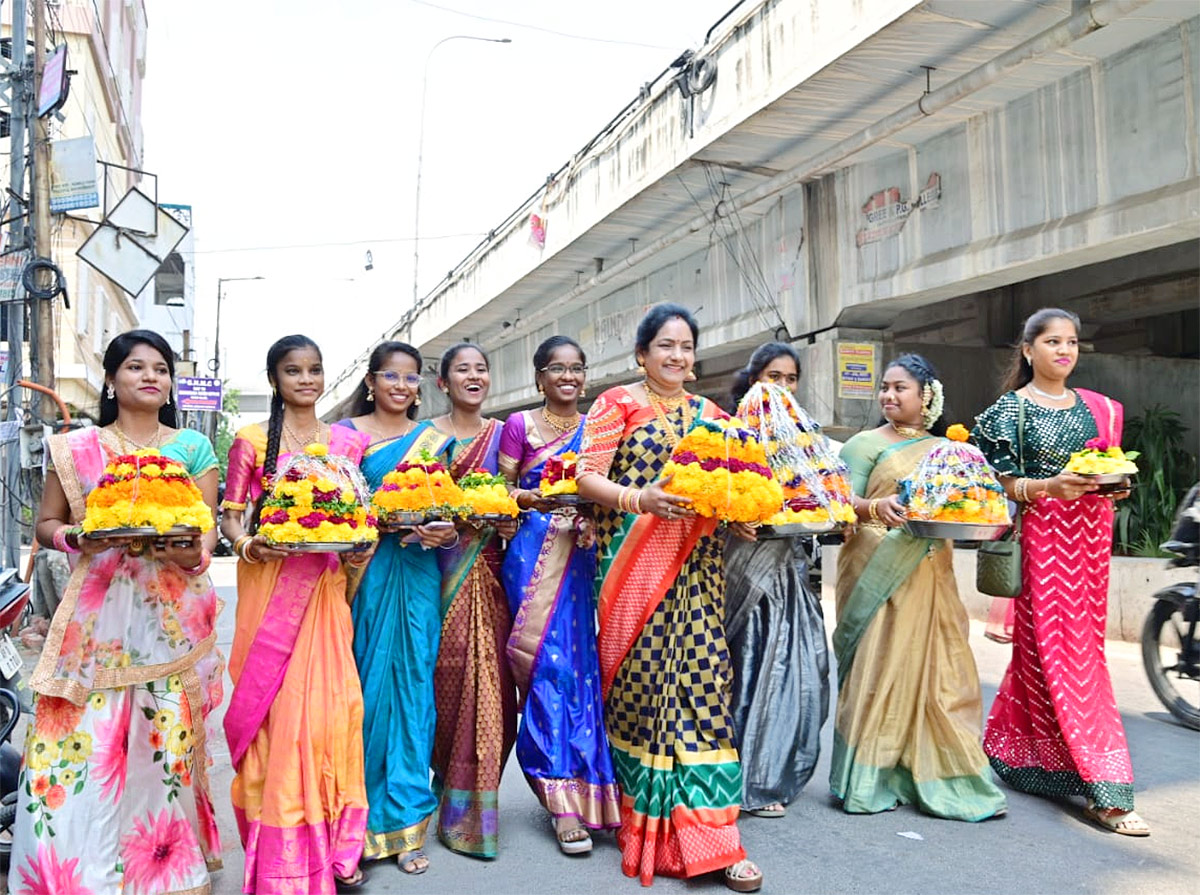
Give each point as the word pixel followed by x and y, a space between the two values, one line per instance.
pixel 14 596
pixel 1170 647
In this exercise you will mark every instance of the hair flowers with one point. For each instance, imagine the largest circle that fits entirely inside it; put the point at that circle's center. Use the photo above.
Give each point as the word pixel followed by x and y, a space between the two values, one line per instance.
pixel 933 402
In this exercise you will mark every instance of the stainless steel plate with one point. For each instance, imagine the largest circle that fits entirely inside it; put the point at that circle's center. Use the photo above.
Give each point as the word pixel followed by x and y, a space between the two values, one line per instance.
pixel 792 529
pixel 318 547
pixel 1110 478
pixel 955 531
pixel 179 531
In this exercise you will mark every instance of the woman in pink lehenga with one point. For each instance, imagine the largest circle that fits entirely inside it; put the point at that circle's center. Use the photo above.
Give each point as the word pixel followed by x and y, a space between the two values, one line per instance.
pixel 1054 728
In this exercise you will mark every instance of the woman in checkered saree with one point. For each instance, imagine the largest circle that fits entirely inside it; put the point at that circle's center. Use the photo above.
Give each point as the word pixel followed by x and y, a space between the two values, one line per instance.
pixel 664 664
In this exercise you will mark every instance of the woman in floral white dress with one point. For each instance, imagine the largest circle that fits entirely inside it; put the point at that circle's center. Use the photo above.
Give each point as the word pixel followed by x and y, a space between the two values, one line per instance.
pixel 113 793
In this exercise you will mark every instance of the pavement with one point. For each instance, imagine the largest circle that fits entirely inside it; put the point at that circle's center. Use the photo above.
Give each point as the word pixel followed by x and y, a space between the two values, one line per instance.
pixel 1042 846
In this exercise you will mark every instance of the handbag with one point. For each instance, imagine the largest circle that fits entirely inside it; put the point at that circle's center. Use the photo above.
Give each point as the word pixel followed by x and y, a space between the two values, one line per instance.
pixel 998 563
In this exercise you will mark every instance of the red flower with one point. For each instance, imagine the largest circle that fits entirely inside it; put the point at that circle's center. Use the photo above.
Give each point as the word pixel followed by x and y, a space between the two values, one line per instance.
pixel 320 496
pixel 278 517
pixel 1100 443
pixel 312 520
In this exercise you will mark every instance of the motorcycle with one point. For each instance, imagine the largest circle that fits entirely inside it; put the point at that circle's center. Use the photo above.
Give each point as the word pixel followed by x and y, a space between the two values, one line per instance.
pixel 1170 648
pixel 14 596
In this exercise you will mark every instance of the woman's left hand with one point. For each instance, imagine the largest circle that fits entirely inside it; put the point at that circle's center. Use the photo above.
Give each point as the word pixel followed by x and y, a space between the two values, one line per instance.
pixel 359 558
pixel 743 531
pixel 186 553
pixel 890 511
pixel 507 528
pixel 585 532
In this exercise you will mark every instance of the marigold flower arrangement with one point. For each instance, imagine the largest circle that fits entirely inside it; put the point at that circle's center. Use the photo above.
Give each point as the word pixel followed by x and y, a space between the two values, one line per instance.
pixel 721 466
pixel 317 498
pixel 814 480
pixel 420 486
pixel 1101 458
pixel 954 483
pixel 558 475
pixel 485 494
pixel 146 490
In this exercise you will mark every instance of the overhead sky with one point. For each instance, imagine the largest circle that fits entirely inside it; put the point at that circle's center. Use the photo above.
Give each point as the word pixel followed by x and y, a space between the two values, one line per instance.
pixel 291 128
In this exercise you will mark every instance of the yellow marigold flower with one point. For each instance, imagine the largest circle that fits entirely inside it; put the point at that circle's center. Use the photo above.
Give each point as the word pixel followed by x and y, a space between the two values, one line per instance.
pixel 958 432
pixel 316 450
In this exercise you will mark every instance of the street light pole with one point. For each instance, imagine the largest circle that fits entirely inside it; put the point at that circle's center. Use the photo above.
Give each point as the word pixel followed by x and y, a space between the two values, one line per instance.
pixel 215 363
pixel 421 145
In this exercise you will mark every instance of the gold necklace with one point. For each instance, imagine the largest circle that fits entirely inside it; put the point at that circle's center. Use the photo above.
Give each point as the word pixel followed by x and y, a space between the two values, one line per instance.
pixel 297 444
pixel 561 424
pixel 662 405
pixel 151 444
pixel 454 426
pixel 908 431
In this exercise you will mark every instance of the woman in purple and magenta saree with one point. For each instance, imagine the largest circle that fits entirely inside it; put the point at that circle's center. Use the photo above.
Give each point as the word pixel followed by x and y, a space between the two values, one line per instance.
pixel 548 577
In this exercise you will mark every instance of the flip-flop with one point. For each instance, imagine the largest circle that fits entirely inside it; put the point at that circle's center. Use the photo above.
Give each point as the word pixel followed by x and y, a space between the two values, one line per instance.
pixel 739 883
pixel 409 857
pixel 766 812
pixel 1112 822
pixel 350 885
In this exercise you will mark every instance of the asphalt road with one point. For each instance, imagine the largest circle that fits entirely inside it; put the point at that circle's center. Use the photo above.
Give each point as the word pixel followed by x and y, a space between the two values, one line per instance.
pixel 1042 846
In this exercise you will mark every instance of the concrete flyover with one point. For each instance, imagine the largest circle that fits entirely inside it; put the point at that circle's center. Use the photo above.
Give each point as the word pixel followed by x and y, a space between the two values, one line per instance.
pixel 865 178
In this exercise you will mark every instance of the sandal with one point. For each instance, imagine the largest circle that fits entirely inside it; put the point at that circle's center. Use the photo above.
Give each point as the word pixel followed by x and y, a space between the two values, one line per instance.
pixel 744 876
pixel 409 859
pixel 571 843
pixel 775 809
pixel 1116 821
pixel 349 885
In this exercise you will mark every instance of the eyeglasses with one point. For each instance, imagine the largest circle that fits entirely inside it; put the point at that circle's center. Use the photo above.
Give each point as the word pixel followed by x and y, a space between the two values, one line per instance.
pixel 391 377
pixel 557 370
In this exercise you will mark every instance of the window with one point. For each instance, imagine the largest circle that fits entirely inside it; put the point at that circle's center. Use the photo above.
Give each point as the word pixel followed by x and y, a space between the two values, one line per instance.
pixel 168 282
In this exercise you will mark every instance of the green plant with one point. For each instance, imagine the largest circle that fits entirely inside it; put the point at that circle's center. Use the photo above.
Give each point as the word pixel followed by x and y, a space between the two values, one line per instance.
pixel 1167 470
pixel 224 440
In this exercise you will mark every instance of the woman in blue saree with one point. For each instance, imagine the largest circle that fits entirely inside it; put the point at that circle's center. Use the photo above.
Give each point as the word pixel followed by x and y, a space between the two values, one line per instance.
pixel 547 574
pixel 397 620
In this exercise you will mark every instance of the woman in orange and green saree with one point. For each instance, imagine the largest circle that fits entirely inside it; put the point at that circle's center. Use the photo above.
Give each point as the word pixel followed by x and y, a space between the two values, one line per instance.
pixel 295 719
pixel 664 663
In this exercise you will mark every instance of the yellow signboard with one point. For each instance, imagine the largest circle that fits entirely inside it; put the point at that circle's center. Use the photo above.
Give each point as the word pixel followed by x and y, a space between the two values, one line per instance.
pixel 856 370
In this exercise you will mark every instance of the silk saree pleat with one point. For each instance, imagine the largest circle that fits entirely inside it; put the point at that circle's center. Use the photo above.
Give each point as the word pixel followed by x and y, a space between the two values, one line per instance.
pixel 909 705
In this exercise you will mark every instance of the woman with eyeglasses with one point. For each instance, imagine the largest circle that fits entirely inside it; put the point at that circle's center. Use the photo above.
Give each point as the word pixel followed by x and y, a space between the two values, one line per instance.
pixel 547 574
pixel 397 619
pixel 776 634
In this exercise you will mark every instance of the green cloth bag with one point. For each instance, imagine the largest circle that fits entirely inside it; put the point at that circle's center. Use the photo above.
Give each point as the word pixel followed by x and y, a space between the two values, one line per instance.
pixel 998 563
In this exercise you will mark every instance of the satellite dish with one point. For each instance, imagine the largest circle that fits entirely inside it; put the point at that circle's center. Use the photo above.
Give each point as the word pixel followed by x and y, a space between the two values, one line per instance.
pixel 132 242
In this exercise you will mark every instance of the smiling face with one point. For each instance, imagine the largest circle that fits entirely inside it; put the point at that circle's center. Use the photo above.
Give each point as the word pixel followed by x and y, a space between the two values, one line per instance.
pixel 469 379
pixel 397 383
pixel 143 381
pixel 900 397
pixel 670 357
pixel 782 371
pixel 562 379
pixel 1055 351
pixel 300 377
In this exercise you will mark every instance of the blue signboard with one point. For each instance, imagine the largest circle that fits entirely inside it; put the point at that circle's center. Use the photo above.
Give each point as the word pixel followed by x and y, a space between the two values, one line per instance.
pixel 199 393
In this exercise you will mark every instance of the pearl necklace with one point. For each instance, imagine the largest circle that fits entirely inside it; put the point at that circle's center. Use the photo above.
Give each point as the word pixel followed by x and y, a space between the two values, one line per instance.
pixel 1066 393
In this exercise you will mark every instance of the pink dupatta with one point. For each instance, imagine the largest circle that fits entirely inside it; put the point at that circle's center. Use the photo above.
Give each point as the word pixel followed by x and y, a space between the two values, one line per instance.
pixel 271 650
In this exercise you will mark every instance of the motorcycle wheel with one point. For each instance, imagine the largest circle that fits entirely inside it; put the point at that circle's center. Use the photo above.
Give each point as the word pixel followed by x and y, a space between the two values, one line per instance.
pixel 1171 664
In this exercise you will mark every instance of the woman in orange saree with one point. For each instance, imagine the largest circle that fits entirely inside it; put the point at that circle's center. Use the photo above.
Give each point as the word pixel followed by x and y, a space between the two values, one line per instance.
pixel 664 663
pixel 294 723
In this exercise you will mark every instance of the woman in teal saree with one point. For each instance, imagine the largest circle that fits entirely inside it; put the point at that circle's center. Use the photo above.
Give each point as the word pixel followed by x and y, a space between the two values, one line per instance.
pixel 397 621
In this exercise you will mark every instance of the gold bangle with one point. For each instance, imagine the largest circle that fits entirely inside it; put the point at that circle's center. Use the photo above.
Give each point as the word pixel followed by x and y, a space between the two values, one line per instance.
pixel 872 512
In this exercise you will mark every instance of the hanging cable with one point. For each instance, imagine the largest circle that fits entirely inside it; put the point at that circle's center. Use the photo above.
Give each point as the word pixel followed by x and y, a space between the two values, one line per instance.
pixel 58 287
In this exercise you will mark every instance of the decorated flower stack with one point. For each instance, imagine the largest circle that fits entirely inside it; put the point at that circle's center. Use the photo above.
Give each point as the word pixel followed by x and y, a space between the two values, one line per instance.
pixel 954 483
pixel 721 466
pixel 145 490
pixel 814 480
pixel 1100 458
pixel 318 501
pixel 415 492
pixel 485 495
pixel 558 475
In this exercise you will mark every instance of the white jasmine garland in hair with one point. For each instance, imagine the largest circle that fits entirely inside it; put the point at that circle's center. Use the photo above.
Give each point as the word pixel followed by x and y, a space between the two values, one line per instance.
pixel 932 409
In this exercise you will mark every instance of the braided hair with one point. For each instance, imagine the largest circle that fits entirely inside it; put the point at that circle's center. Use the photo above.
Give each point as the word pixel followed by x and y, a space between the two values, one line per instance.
pixel 921 370
pixel 119 349
pixel 275 355
pixel 759 360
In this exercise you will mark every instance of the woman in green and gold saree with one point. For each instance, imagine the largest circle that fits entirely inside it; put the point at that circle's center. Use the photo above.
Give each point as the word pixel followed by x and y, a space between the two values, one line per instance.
pixel 909 710
pixel 664 663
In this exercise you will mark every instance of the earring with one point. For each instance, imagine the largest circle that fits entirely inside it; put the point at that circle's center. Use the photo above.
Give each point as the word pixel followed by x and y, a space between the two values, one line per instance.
pixel 370 393
pixel 540 390
pixel 110 392
pixel 641 369
pixel 691 376
pixel 417 401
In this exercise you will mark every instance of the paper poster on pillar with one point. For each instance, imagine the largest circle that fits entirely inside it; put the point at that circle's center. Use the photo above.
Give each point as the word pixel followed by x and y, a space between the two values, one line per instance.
pixel 73 175
pixel 856 370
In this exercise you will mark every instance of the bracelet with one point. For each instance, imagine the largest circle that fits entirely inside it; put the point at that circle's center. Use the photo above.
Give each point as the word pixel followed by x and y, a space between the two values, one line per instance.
pixel 623 499
pixel 636 501
pixel 242 548
pixel 872 512
pixel 1021 490
pixel 199 568
pixel 453 543
pixel 61 539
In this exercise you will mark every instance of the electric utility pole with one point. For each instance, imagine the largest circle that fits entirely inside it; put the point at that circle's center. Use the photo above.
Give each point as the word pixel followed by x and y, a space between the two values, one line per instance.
pixel 40 176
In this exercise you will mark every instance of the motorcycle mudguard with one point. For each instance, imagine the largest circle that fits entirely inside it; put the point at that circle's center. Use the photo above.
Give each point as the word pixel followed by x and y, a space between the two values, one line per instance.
pixel 1180 594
